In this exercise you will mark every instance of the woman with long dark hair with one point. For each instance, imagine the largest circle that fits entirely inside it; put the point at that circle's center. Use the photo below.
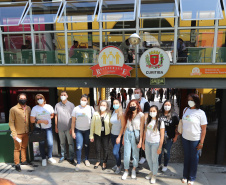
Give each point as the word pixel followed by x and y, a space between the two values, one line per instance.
pixel 132 136
pixel 171 121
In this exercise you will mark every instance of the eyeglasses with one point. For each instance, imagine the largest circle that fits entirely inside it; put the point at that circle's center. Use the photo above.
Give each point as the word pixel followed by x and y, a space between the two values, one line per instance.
pixel 39 99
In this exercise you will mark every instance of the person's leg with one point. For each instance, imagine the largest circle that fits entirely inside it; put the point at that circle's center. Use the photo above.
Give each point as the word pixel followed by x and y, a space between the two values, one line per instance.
pixel 86 143
pixel 42 145
pixel 160 155
pixel 116 149
pixel 148 154
pixel 62 143
pixel 70 145
pixel 105 141
pixel 154 157
pixel 49 142
pixel 79 145
pixel 167 149
pixel 194 160
pixel 135 149
pixel 97 140
pixel 17 149
pixel 24 147
pixel 127 149
pixel 187 154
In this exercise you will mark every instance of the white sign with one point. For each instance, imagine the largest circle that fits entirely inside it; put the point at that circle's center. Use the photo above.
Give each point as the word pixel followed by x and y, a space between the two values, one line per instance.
pixel 154 63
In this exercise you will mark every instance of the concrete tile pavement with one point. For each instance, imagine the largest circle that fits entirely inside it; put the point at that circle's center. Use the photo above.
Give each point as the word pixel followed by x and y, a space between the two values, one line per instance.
pixel 64 174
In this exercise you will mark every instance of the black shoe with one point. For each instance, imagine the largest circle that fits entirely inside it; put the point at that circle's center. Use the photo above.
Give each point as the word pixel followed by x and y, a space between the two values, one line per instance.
pixel 71 161
pixel 25 163
pixel 95 167
pixel 61 160
pixel 104 168
pixel 17 167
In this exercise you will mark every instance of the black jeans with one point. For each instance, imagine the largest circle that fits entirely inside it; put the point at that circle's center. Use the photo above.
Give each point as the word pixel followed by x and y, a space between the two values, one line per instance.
pixel 102 142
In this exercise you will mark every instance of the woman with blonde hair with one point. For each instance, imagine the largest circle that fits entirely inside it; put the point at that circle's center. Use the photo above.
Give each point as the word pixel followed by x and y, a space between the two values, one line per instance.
pixel 41 115
pixel 118 124
pixel 100 132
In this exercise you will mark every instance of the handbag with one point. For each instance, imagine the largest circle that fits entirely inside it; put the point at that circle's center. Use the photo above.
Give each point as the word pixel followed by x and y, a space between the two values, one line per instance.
pixel 37 135
pixel 137 139
pixel 180 125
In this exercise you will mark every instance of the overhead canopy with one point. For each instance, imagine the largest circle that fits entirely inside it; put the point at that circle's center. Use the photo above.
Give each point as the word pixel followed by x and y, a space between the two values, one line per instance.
pixel 11 13
pixel 157 9
pixel 116 10
pixel 200 10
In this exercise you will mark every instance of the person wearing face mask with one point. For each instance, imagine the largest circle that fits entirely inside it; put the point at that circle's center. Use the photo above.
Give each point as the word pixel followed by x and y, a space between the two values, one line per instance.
pixel 152 141
pixel 19 125
pixel 132 138
pixel 100 132
pixel 63 111
pixel 41 115
pixel 118 123
pixel 80 127
pixel 193 136
pixel 145 106
pixel 171 120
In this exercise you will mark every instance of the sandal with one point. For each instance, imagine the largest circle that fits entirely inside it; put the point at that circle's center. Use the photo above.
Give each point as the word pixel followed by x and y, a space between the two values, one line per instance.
pixel 184 180
pixel 190 182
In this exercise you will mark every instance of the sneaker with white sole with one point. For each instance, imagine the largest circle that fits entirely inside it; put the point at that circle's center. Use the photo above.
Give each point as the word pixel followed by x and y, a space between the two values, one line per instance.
pixel 153 179
pixel 149 176
pixel 164 168
pixel 133 175
pixel 118 170
pixel 125 175
pixel 77 167
pixel 51 160
pixel 44 163
pixel 142 160
pixel 87 163
pixel 114 167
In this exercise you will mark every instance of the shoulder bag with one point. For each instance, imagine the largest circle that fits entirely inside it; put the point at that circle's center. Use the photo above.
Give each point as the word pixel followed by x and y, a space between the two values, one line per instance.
pixel 37 135
pixel 180 125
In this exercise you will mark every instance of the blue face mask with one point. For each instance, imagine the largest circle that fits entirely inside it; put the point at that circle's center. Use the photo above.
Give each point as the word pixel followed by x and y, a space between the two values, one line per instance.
pixel 116 106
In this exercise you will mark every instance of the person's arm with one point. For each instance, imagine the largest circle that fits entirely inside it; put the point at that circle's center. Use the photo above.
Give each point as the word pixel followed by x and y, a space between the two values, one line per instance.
pixel 203 135
pixel 141 131
pixel 144 137
pixel 146 110
pixel 73 121
pixel 92 129
pixel 123 123
pixel 175 120
pixel 52 115
pixel 12 123
pixel 56 123
pixel 32 120
pixel 162 131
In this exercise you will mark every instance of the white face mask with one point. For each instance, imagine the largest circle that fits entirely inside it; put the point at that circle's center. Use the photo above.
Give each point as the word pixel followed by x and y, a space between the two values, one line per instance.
pixel 137 96
pixel 167 108
pixel 153 114
pixel 102 108
pixel 83 103
pixel 40 101
pixel 191 103
pixel 63 98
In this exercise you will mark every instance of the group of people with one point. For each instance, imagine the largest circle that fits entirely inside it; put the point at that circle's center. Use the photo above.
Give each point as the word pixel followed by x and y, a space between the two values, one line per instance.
pixel 141 129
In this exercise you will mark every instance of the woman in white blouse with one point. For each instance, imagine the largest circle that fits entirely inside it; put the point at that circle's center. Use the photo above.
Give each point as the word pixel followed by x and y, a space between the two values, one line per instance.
pixel 132 136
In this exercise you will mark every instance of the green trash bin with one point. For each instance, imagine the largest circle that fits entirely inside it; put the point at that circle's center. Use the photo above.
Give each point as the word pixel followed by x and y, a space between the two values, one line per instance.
pixel 6 144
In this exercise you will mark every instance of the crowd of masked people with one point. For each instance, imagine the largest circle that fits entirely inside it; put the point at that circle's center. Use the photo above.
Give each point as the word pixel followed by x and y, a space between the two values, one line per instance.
pixel 145 131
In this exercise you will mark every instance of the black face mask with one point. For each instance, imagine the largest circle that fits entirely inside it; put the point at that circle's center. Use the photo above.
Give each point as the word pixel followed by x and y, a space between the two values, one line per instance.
pixel 22 102
pixel 132 108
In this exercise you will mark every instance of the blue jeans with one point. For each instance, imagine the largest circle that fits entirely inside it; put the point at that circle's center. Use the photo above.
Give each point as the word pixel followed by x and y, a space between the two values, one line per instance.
pixel 129 142
pixel 152 156
pixel 116 149
pixel 63 135
pixel 191 159
pixel 49 135
pixel 166 150
pixel 82 137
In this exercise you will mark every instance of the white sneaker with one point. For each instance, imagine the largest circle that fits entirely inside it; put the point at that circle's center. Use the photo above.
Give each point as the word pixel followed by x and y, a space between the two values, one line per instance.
pixel 44 163
pixel 131 161
pixel 153 179
pixel 87 163
pixel 118 170
pixel 114 168
pixel 77 168
pixel 133 175
pixel 164 168
pixel 142 160
pixel 125 175
pixel 149 176
pixel 51 160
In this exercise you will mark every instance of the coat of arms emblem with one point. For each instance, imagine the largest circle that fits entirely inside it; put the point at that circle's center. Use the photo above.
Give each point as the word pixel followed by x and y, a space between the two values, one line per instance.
pixel 154 59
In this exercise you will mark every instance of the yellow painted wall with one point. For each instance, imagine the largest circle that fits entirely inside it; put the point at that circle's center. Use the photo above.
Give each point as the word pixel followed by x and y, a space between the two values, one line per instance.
pixel 207 96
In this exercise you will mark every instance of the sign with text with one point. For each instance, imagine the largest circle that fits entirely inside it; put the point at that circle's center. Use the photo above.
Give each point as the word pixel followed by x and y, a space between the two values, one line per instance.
pixel 154 63
pixel 111 62
pixel 157 81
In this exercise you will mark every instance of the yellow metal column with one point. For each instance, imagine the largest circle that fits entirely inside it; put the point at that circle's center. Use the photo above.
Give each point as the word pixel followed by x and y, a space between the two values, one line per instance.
pixel 102 93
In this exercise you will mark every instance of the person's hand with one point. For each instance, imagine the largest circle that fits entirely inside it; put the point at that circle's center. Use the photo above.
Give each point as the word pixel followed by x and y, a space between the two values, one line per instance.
pixel 70 132
pixel 175 139
pixel 200 146
pixel 14 138
pixel 91 140
pixel 139 145
pixel 73 135
pixel 143 146
pixel 56 129
pixel 159 151
pixel 46 122
pixel 118 140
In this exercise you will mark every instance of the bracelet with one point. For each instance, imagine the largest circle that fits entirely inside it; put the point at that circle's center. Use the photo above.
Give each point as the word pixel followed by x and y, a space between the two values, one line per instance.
pixel 159 149
pixel 201 144
pixel 36 121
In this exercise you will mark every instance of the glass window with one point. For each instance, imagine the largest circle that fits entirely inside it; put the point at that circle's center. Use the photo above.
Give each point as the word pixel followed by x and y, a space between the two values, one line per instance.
pixel 221 46
pixel 158 9
pixel 117 10
pixel 17 49
pixel 78 11
pixel 50 48
pixel 200 10
pixel 11 13
pixel 195 46
pixel 42 13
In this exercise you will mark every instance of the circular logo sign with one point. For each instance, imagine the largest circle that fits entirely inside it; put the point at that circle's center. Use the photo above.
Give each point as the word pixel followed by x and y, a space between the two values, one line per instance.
pixel 154 63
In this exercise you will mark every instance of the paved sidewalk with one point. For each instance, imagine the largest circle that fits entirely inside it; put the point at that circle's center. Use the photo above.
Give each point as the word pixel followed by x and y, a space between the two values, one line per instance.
pixel 64 174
